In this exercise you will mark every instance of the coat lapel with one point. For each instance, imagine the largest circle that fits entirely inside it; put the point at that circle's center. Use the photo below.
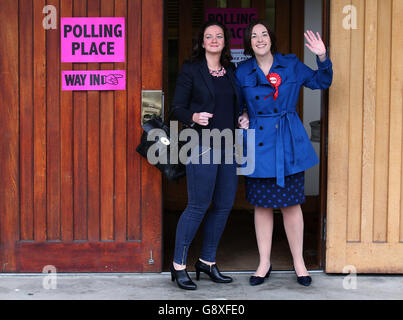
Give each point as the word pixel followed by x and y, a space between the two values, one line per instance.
pixel 231 76
pixel 207 77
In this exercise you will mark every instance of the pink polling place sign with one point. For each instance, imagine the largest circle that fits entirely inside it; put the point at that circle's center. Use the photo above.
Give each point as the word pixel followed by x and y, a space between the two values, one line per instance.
pixel 93 39
pixel 93 80
pixel 235 19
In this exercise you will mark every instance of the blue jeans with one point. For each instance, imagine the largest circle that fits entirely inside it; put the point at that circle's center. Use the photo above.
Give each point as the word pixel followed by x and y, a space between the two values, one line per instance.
pixel 206 183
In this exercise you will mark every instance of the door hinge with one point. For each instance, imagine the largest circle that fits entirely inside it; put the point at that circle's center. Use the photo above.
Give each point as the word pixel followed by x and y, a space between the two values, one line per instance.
pixel 151 260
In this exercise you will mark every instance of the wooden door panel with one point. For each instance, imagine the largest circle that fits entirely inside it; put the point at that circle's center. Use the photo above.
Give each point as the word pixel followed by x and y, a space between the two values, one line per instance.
pixel 81 198
pixel 78 256
pixel 364 216
pixel 66 148
pixel 120 165
pixel 93 143
pixel 39 134
pixel 9 133
pixel 26 122
pixel 134 73
pixel 80 168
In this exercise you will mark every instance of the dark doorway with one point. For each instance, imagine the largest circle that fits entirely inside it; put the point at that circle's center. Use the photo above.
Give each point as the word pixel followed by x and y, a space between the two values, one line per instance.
pixel 238 248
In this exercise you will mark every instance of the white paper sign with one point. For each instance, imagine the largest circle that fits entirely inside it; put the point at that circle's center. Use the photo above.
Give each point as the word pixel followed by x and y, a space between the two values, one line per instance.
pixel 238 56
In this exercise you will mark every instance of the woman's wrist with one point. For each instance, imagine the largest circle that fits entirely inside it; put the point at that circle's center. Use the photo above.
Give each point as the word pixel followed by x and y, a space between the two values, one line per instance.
pixel 322 57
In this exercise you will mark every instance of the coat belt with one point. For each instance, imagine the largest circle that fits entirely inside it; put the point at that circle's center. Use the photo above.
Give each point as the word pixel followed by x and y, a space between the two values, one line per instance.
pixel 283 120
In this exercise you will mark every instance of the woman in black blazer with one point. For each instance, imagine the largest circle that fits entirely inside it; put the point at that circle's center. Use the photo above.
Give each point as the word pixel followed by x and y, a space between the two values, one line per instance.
pixel 206 97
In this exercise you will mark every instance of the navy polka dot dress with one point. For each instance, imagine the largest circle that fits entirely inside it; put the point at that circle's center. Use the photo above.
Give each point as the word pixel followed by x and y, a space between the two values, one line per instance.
pixel 264 192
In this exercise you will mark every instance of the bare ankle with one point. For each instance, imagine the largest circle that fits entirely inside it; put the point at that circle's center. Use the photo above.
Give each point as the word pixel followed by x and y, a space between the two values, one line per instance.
pixel 264 263
pixel 207 262
pixel 179 266
pixel 263 268
pixel 301 269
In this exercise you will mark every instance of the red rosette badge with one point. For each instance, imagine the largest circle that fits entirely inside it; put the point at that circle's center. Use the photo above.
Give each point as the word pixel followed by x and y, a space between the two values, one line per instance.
pixel 275 80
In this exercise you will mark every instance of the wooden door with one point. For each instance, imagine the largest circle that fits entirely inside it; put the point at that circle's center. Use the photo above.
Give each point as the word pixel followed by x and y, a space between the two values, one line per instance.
pixel 365 190
pixel 75 194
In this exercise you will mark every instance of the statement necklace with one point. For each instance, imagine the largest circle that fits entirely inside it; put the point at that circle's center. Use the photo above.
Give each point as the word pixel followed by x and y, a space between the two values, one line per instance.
pixel 218 73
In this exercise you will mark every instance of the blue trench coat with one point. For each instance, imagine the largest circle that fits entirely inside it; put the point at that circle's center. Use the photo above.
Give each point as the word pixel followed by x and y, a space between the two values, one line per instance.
pixel 282 146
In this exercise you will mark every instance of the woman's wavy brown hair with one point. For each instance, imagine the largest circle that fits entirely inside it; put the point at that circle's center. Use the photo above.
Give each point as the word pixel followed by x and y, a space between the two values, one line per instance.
pixel 199 52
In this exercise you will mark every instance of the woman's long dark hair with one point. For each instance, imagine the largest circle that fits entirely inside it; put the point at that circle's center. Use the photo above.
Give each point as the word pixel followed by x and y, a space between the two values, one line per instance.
pixel 199 53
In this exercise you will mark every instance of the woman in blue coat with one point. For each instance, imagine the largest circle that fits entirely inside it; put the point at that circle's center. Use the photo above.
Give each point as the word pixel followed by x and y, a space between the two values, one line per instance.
pixel 269 84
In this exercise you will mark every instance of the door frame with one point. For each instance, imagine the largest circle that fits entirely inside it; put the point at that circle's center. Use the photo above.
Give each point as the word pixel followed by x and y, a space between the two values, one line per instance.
pixel 322 207
pixel 324 144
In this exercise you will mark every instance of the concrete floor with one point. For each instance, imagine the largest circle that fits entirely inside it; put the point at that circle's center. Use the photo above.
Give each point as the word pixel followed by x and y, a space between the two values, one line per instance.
pixel 158 286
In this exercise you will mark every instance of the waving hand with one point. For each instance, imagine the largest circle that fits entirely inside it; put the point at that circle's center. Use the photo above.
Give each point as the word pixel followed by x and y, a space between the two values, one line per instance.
pixel 315 44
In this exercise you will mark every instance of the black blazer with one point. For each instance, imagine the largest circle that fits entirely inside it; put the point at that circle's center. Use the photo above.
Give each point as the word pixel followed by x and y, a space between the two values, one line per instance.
pixel 195 93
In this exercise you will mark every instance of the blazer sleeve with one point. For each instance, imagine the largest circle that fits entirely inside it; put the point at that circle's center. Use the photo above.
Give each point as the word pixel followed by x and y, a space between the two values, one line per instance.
pixel 182 96
pixel 242 103
pixel 318 79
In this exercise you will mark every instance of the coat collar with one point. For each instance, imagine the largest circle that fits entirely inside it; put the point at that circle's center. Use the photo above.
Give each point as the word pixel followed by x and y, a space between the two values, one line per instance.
pixel 277 62
pixel 258 73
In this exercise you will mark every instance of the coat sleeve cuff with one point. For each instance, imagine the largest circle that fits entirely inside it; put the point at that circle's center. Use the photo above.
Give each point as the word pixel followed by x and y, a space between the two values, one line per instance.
pixel 325 64
pixel 190 118
pixel 183 115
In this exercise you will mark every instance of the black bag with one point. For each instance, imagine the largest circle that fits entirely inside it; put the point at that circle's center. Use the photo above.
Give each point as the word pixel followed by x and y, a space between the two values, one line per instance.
pixel 171 171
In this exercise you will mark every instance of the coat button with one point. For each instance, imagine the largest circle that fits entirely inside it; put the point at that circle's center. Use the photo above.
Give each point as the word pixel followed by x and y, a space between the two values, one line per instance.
pixel 260 144
pixel 261 128
pixel 260 112
pixel 275 110
pixel 257 97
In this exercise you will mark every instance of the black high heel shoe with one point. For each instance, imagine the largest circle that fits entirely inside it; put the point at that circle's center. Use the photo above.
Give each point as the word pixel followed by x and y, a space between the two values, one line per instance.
pixel 211 271
pixel 303 280
pixel 256 280
pixel 182 279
